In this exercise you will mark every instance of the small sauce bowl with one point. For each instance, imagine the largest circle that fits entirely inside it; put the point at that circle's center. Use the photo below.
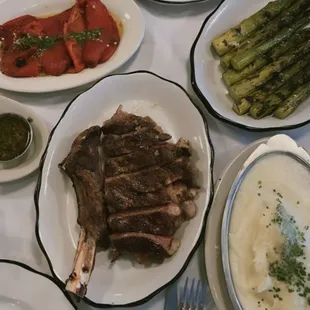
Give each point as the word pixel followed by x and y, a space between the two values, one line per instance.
pixel 16 137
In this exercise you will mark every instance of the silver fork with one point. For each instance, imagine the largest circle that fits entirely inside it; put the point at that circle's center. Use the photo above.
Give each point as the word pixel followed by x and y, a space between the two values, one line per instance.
pixel 194 298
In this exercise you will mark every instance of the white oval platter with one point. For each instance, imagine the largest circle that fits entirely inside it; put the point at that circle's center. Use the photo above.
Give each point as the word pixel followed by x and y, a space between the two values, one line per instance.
pixel 206 74
pixel 142 93
pixel 126 10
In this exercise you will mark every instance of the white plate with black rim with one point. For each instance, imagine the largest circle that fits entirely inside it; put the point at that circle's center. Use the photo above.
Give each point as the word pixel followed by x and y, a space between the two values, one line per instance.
pixel 213 253
pixel 22 287
pixel 178 1
pixel 126 11
pixel 123 283
pixel 206 74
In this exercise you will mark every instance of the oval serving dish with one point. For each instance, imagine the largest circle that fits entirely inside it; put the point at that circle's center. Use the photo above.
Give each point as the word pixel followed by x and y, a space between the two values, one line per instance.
pixel 281 149
pixel 145 94
pixel 16 136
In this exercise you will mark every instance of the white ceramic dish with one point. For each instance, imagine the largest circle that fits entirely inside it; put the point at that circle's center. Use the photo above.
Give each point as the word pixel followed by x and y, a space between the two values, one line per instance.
pixel 27 289
pixel 178 1
pixel 206 74
pixel 213 254
pixel 31 161
pixel 143 93
pixel 279 148
pixel 126 10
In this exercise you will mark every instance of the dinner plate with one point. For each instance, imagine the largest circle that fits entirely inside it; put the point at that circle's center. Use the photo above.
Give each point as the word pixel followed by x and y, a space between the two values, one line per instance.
pixel 126 11
pixel 23 288
pixel 178 1
pixel 206 74
pixel 144 93
pixel 31 162
pixel 213 255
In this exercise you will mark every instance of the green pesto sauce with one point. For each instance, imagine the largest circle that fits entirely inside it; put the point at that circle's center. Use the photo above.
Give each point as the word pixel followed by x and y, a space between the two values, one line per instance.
pixel 14 136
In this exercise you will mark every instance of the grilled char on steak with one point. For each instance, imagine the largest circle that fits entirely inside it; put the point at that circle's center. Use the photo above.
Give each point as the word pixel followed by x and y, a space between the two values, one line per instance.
pixel 161 155
pixel 116 145
pixel 153 178
pixel 123 122
pixel 140 243
pixel 149 187
pixel 163 220
pixel 83 167
pixel 124 199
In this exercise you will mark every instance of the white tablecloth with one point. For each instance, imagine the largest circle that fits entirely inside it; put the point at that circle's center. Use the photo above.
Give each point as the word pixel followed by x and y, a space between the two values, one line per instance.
pixel 170 32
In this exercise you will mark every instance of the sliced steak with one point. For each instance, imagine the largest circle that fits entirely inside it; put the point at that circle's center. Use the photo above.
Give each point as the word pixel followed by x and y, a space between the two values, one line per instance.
pixel 114 145
pixel 83 166
pixel 189 209
pixel 162 220
pixel 140 243
pixel 154 178
pixel 123 122
pixel 119 199
pixel 161 155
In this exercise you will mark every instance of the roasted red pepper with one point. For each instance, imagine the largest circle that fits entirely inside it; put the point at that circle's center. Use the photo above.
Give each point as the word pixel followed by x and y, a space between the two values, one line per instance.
pixel 20 64
pixel 75 24
pixel 98 17
pixel 82 36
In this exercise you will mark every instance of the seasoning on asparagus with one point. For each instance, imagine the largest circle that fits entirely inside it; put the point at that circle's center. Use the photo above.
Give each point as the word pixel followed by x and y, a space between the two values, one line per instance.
pixel 288 106
pixel 285 19
pixel 232 76
pixel 246 86
pixel 243 106
pixel 235 35
pixel 241 61
pixel 272 102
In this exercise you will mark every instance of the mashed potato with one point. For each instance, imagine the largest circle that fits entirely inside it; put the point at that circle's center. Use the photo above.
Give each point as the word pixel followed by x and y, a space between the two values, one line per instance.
pixel 269 241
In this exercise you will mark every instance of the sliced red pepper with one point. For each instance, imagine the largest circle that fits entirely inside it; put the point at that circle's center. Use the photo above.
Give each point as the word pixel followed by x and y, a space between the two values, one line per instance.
pixel 98 17
pixel 56 60
pixel 53 25
pixel 75 24
pixel 12 28
pixel 20 63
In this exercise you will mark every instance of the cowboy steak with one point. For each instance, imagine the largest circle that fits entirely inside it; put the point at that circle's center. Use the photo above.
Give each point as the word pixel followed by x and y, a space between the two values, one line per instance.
pixel 134 189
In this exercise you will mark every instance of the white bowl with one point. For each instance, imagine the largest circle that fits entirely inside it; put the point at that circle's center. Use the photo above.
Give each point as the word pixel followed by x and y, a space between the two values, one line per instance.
pixel 142 93
pixel 206 74
pixel 126 10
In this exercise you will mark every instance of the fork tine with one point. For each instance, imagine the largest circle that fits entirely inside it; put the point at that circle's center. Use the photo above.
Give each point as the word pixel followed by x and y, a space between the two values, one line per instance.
pixel 184 293
pixel 195 304
pixel 203 296
pixel 190 299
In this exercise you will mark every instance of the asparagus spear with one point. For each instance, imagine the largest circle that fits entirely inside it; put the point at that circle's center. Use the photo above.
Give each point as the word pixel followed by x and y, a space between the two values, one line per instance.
pixel 246 86
pixel 271 103
pixel 232 76
pixel 283 20
pixel 293 102
pixel 233 36
pixel 241 61
pixel 243 106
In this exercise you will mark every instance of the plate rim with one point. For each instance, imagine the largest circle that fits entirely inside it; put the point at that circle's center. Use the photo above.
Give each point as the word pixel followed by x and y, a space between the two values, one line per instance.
pixel 46 276
pixel 255 143
pixel 178 2
pixel 209 203
pixel 206 102
pixel 83 81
